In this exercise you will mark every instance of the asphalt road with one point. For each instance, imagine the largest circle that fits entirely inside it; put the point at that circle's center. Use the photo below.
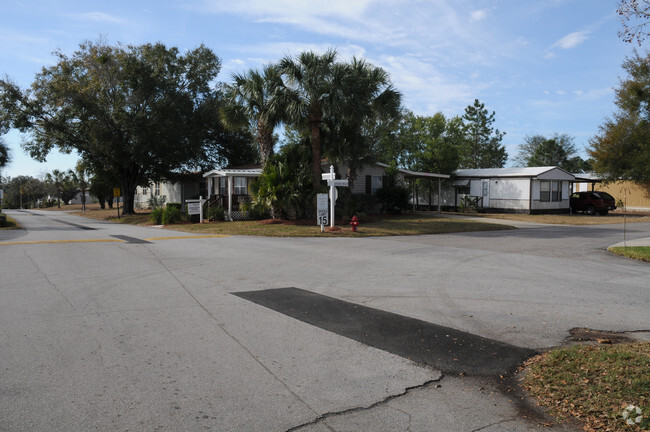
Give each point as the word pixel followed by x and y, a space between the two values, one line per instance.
pixel 113 328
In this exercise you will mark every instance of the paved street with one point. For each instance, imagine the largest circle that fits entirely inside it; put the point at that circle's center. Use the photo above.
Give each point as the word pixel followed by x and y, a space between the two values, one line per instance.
pixel 114 328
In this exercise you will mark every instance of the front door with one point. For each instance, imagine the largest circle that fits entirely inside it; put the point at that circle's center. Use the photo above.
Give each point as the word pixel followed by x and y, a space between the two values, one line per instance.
pixel 485 192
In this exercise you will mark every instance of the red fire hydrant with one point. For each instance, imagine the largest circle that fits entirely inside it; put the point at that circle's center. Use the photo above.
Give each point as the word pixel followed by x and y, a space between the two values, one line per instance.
pixel 354 222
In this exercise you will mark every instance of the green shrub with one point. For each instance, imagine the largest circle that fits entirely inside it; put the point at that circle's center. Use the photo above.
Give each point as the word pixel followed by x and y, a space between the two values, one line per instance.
pixel 217 213
pixel 156 216
pixel 157 201
pixel 170 215
pixel 258 212
pixel 178 205
pixel 3 220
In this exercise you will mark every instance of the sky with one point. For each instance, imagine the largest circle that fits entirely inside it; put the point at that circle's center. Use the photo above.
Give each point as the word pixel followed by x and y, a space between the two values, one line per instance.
pixel 543 66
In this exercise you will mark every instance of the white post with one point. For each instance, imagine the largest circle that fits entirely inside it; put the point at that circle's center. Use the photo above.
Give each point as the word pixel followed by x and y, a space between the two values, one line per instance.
pixel 439 194
pixel 332 200
pixel 201 209
pixel 229 197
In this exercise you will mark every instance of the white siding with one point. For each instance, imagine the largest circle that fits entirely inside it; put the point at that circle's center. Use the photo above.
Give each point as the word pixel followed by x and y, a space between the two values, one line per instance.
pixel 509 193
pixel 359 186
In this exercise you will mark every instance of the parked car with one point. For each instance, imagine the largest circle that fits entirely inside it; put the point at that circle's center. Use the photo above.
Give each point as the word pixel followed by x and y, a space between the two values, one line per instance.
pixel 592 202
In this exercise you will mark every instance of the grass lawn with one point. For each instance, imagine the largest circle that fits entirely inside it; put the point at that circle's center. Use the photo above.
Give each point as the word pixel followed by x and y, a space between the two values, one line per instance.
pixel 11 223
pixel 386 225
pixel 571 219
pixel 594 384
pixel 637 252
pixel 378 226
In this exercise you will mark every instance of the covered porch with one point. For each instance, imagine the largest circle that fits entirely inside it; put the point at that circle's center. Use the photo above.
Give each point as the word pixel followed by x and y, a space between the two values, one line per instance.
pixel 229 188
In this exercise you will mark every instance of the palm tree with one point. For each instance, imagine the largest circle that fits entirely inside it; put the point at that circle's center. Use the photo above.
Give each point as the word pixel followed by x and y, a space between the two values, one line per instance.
pixel 314 92
pixel 371 104
pixel 254 99
pixel 5 158
pixel 80 178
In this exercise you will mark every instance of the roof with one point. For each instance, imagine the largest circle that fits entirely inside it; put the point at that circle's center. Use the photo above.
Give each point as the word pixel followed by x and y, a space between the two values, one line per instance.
pixel 588 177
pixel 409 173
pixel 508 172
pixel 234 172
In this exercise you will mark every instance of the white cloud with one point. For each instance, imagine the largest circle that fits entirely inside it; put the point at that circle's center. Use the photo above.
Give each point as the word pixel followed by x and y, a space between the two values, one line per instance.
pixel 98 17
pixel 426 87
pixel 288 11
pixel 433 25
pixel 478 15
pixel 571 40
pixel 595 94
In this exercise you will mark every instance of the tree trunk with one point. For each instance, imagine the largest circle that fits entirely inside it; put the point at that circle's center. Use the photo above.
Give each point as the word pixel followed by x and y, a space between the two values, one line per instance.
pixel 129 182
pixel 83 200
pixel 265 143
pixel 314 126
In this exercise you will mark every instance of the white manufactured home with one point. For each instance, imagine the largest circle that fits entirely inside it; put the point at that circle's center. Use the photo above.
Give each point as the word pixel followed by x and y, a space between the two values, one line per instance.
pixel 520 190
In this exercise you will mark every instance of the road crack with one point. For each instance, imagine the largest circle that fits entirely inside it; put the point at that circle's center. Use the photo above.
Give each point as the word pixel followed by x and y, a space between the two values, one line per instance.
pixel 230 335
pixel 52 284
pixel 387 399
pixel 493 424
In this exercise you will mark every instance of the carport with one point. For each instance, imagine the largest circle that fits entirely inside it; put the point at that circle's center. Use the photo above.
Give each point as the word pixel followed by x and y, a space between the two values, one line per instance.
pixel 414 175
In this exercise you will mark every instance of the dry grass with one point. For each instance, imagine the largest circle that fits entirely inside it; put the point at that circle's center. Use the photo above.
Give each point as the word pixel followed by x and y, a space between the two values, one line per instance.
pixel 387 225
pixel 593 384
pixel 571 219
pixel 379 226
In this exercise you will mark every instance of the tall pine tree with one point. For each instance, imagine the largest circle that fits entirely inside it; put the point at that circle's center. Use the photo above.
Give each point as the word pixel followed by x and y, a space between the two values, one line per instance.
pixel 482 146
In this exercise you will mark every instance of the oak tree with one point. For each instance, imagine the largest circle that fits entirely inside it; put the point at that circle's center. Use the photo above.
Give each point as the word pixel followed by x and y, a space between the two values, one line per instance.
pixel 137 112
pixel 621 150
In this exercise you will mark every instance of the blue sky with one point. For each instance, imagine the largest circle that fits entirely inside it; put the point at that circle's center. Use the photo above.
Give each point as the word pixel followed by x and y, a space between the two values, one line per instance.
pixel 543 66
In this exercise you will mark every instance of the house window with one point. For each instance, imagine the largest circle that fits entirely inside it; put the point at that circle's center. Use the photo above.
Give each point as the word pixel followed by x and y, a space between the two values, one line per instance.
pixel 240 185
pixel 145 191
pixel 157 189
pixel 484 189
pixel 223 190
pixel 550 191
pixel 375 184
pixel 545 191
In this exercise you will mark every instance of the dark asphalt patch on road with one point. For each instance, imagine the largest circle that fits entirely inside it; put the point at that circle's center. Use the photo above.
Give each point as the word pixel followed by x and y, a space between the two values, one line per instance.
pixel 83 227
pixel 131 240
pixel 449 350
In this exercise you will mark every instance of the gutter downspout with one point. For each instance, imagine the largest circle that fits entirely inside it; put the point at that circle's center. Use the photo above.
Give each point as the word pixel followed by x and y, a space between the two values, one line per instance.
pixel 439 194
pixel 230 198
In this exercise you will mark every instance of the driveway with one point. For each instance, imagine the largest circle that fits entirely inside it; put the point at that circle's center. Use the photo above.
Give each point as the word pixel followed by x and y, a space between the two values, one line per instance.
pixel 112 327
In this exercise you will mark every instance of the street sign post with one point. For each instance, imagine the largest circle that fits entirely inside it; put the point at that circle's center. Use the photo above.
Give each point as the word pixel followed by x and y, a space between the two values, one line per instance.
pixel 321 210
pixel 332 182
